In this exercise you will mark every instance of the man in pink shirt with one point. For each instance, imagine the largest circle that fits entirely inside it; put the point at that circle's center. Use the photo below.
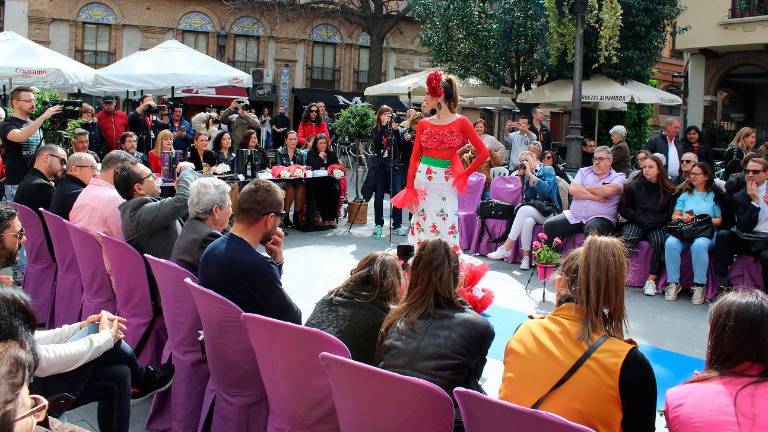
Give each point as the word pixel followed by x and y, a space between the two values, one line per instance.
pixel 96 209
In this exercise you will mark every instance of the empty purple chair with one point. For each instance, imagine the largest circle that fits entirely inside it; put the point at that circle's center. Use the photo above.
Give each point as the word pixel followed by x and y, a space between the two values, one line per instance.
pixel 178 409
pixel 40 273
pixel 146 328
pixel 485 414
pixel 468 202
pixel 297 388
pixel 68 300
pixel 507 189
pixel 746 272
pixel 639 264
pixel 375 400
pixel 686 276
pixel 235 384
pixel 97 287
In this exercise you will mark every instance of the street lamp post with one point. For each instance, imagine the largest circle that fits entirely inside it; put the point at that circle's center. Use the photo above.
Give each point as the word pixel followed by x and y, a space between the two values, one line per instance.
pixel 574 139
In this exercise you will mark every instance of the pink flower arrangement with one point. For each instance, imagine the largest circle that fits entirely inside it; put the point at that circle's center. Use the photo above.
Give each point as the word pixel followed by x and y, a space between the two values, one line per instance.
pixel 338 171
pixel 296 171
pixel 544 253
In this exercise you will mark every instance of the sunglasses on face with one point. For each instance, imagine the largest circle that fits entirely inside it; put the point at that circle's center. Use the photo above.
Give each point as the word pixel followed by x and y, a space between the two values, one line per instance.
pixel 281 213
pixel 19 234
pixel 687 161
pixel 62 161
pixel 313 111
pixel 754 171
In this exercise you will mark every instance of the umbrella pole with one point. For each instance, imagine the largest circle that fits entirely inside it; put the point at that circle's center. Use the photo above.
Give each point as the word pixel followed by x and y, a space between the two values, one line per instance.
pixel 597 119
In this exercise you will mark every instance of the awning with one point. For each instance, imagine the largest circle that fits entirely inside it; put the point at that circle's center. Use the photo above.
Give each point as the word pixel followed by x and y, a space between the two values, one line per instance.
pixel 336 101
pixel 216 96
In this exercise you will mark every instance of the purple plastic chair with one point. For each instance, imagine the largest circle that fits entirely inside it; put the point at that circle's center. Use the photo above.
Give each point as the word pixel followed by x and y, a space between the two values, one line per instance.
pixel 746 272
pixel 485 414
pixel 571 242
pixel 297 388
pixel 178 409
pixel 686 276
pixel 68 300
pixel 40 273
pixel 97 287
pixel 146 329
pixel 639 265
pixel 468 202
pixel 508 189
pixel 375 400
pixel 235 384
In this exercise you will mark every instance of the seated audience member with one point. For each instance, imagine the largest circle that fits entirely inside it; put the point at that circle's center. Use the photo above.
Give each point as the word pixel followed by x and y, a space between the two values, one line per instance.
pixel 97 207
pixel 150 223
pixel 250 141
pixel 622 158
pixel 641 156
pixel 496 154
pixel 81 169
pixel 541 201
pixel 518 141
pixel 323 192
pixel 616 380
pixel 222 148
pixel 535 148
pixel 37 187
pixel 750 235
pixel 732 392
pixel 687 161
pixel 738 181
pixel 232 265
pixel 209 210
pixel 128 143
pixel 432 334
pixel 19 411
pixel 490 141
pixel 199 155
pixel 295 191
pixel 693 142
pixel 164 142
pixel 354 311
pixel 596 193
pixel 550 158
pixel 647 207
pixel 587 152
pixel 697 196
pixel 80 143
pixel 87 360
pixel 743 143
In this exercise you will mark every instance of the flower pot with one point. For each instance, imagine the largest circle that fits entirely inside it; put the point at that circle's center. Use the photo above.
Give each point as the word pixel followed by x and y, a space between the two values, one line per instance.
pixel 545 271
pixel 357 213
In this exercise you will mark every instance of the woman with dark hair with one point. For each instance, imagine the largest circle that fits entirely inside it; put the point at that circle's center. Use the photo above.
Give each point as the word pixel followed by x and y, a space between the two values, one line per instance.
pixel 323 193
pixel 222 147
pixel 697 196
pixel 295 191
pixel 355 310
pixel 199 154
pixel 693 142
pixel 731 394
pixel 615 388
pixel 311 125
pixel 250 141
pixel 432 334
pixel 639 158
pixel 647 207
pixel 87 360
pixel 549 158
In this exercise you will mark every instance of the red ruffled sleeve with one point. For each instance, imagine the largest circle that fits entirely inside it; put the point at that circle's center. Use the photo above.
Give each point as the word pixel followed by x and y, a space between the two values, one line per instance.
pixel 409 199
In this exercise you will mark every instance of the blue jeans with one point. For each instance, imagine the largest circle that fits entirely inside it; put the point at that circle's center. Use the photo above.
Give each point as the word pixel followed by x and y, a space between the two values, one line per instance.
pixel 673 249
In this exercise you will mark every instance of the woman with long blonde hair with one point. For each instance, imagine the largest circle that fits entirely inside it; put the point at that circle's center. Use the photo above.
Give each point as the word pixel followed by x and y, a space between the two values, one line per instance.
pixel 742 144
pixel 163 142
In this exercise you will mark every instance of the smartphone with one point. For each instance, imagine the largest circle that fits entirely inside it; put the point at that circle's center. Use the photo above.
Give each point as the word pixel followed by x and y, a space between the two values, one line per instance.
pixel 60 403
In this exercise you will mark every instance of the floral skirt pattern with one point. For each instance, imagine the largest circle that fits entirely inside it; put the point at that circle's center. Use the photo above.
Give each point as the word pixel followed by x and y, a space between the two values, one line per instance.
pixel 438 212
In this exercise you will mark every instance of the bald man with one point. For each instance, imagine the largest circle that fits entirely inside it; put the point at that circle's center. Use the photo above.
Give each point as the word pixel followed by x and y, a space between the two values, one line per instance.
pixel 81 168
pixel 687 161
pixel 36 188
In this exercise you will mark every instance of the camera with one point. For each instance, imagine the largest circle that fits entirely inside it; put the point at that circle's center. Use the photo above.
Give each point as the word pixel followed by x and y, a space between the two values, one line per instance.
pixel 70 108
pixel 396 118
pixel 245 105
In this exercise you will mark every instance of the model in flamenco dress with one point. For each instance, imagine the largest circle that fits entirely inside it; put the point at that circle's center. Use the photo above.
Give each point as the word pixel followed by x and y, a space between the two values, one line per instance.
pixel 436 176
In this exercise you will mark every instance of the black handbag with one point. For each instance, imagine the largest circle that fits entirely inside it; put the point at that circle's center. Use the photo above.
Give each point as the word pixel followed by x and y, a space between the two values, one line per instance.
pixel 756 242
pixel 700 226
pixel 545 207
pixel 493 209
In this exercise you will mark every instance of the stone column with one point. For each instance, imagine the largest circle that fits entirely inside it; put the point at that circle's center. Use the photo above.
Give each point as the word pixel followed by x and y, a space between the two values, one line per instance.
pixel 16 16
pixel 694 104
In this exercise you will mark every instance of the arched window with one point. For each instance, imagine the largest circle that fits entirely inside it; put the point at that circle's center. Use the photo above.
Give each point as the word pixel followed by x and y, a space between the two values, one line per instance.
pixel 195 28
pixel 246 31
pixel 323 72
pixel 363 61
pixel 95 48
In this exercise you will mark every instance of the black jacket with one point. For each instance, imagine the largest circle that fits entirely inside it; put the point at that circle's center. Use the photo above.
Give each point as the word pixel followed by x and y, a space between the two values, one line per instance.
pixel 704 154
pixel 35 191
pixel 353 322
pixel 735 184
pixel 659 144
pixel 66 194
pixel 284 160
pixel 393 160
pixel 746 214
pixel 137 124
pixel 95 139
pixel 209 158
pixel 448 349
pixel 642 206
pixel 622 159
pixel 542 135
pixel 316 162
pixel 189 247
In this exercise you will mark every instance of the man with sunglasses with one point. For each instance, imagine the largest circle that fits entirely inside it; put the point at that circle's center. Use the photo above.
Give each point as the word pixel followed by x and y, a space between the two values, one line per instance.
pixel 687 161
pixel 750 235
pixel 81 169
pixel 12 236
pixel 21 136
pixel 36 188
pixel 232 265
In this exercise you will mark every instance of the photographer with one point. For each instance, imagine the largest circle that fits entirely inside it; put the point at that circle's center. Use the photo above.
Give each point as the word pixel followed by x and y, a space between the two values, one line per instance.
pixel 384 170
pixel 22 136
pixel 239 120
pixel 146 121
pixel 207 122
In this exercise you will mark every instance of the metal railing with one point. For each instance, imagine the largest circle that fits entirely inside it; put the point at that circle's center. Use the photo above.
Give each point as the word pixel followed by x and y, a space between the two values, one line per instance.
pixel 360 79
pixel 94 58
pixel 747 8
pixel 323 78
pixel 245 65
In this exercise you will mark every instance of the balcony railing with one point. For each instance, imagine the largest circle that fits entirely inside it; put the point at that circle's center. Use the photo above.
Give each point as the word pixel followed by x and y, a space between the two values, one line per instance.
pixel 323 78
pixel 94 58
pixel 748 8
pixel 245 65
pixel 360 80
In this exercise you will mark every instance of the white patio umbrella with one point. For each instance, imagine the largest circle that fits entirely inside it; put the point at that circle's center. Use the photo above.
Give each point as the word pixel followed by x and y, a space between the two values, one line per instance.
pixel 168 65
pixel 24 62
pixel 416 84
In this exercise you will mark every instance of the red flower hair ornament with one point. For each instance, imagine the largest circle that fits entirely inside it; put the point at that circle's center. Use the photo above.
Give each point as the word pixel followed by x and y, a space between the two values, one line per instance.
pixel 434 87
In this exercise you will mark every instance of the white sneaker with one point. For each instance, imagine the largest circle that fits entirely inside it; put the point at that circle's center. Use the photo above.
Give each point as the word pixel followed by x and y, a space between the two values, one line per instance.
pixel 698 295
pixel 672 291
pixel 525 263
pixel 499 253
pixel 649 288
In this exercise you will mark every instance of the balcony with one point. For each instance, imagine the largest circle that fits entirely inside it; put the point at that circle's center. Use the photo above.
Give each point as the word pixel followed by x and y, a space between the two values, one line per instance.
pixel 245 65
pixel 360 80
pixel 94 58
pixel 748 8
pixel 323 78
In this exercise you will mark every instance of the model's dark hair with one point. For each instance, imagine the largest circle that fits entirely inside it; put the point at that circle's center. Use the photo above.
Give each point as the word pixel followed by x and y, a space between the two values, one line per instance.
pixel 125 177
pixel 450 86
pixel 217 141
pixel 377 277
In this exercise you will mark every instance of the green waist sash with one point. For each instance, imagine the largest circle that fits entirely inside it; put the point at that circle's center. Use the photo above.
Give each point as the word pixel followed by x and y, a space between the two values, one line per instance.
pixel 435 162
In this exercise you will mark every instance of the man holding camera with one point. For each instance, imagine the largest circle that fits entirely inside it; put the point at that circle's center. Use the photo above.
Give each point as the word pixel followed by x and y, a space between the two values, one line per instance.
pixel 146 121
pixel 518 141
pixel 112 122
pixel 239 120
pixel 22 136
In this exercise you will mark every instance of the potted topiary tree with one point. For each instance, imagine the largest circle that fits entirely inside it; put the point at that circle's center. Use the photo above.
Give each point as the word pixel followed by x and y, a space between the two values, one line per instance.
pixel 354 125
